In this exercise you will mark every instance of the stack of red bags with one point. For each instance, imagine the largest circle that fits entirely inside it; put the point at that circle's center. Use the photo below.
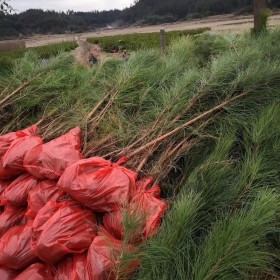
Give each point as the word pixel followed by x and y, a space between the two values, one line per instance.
pixel 51 198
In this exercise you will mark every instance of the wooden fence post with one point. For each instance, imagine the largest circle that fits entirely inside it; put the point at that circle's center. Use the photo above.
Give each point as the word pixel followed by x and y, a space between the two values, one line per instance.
pixel 163 41
pixel 259 8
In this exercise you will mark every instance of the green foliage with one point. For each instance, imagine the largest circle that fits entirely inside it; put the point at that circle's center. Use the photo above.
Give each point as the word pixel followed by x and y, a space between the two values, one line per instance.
pixel 230 250
pixel 262 25
pixel 158 19
pixel 180 9
pixel 133 42
pixel 210 45
pixel 164 254
pixel 264 18
pixel 222 184
pixel 45 22
pixel 8 58
pixel 238 209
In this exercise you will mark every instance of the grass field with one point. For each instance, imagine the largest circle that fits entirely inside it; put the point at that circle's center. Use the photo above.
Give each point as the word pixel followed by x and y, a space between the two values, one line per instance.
pixel 111 43
pixel 8 58
pixel 134 42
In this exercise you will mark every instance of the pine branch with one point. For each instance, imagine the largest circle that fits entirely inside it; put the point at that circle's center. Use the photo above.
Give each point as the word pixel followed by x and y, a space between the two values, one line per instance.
pixel 189 123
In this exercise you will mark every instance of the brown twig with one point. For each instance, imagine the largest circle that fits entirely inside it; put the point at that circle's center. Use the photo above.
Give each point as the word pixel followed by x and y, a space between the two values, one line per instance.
pixel 185 142
pixel 98 118
pixel 101 145
pixel 48 115
pixel 159 122
pixel 5 89
pixel 151 151
pixel 45 136
pixel 89 116
pixel 145 159
pixel 201 116
pixel 147 133
pixel 170 156
pixel 194 101
pixel 16 91
pixel 94 110
pixel 12 123
pixel 49 126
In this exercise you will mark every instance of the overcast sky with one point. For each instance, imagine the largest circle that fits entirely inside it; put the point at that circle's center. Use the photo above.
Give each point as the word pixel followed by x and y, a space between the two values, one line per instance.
pixel 64 5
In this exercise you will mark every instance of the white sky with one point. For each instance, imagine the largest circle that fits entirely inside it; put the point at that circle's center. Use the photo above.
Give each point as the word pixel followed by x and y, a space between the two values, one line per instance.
pixel 64 5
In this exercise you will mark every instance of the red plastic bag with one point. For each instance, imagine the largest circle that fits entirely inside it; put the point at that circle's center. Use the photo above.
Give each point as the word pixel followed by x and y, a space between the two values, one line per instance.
pixel 7 139
pixel 40 196
pixel 73 267
pixel 104 258
pixel 146 207
pixel 12 216
pixel 99 184
pixel 36 271
pixel 113 222
pixel 3 186
pixel 7 273
pixel 60 229
pixel 48 161
pixel 16 193
pixel 11 163
pixel 15 247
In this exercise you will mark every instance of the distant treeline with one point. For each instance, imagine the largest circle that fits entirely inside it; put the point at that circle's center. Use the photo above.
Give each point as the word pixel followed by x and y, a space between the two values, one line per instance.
pixel 142 12
pixel 49 22
pixel 153 10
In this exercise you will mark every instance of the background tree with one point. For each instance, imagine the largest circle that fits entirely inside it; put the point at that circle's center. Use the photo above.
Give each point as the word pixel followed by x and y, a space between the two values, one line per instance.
pixel 142 12
pixel 260 17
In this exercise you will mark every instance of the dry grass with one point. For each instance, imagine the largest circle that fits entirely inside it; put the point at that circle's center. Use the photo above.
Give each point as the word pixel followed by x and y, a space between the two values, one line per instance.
pixel 12 45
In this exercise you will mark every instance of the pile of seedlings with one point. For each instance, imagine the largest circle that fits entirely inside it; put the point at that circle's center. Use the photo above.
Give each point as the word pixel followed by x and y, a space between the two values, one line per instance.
pixel 203 121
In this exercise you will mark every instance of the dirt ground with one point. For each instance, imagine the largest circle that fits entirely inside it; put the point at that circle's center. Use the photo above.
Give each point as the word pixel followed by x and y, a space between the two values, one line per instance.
pixel 222 23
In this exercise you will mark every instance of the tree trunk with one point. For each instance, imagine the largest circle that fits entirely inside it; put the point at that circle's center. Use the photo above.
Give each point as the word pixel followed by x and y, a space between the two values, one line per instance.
pixel 259 7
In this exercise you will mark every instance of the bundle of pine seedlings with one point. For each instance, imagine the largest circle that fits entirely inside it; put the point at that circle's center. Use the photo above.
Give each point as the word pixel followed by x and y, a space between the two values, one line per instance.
pixel 202 121
pixel 224 224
